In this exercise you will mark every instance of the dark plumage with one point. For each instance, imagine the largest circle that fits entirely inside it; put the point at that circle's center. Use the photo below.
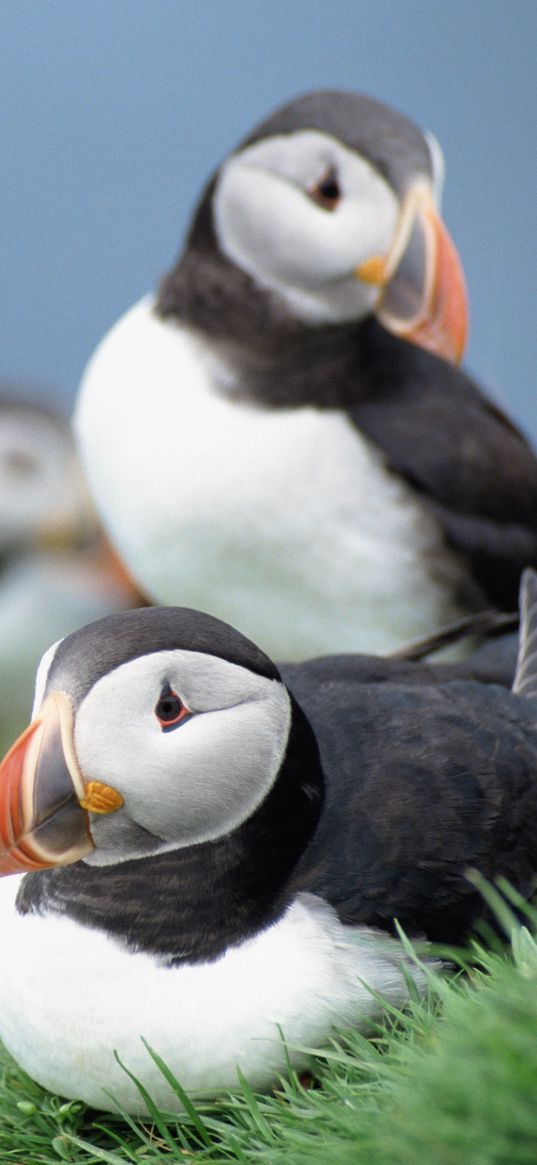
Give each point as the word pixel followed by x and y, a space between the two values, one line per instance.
pixel 426 781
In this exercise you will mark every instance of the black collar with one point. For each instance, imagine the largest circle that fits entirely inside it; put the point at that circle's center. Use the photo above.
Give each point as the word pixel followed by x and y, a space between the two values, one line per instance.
pixel 189 905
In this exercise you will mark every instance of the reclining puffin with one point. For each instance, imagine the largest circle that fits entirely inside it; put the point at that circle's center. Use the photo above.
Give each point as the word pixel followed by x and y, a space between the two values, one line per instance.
pixel 218 848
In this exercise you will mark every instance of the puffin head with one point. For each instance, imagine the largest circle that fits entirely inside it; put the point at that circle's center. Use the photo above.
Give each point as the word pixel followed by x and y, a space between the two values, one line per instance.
pixel 331 205
pixel 43 501
pixel 152 730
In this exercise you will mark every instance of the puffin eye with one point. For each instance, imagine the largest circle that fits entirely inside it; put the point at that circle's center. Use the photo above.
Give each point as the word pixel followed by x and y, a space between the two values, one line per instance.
pixel 327 191
pixel 21 464
pixel 169 709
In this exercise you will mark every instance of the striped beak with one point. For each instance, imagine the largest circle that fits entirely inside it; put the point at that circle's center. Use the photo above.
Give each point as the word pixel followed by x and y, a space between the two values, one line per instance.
pixel 423 297
pixel 42 821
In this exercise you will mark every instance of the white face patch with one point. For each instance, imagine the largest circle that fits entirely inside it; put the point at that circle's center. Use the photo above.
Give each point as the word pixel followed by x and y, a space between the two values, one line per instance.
pixel 193 782
pixel 39 482
pixel 270 226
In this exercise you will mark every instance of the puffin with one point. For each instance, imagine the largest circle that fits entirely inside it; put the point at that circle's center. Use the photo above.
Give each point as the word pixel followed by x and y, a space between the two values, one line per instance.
pixel 280 434
pixel 209 851
pixel 57 571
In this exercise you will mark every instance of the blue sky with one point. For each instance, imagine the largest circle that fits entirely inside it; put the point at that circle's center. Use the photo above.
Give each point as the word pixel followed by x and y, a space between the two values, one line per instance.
pixel 114 113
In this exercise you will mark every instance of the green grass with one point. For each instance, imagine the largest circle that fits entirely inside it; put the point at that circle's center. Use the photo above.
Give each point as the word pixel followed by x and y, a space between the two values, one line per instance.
pixel 451 1081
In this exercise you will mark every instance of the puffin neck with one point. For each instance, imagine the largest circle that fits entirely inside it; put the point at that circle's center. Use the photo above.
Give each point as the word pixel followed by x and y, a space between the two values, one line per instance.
pixel 188 905
pixel 277 360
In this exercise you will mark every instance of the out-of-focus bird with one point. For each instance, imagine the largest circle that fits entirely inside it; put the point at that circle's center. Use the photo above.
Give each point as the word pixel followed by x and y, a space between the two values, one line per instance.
pixel 218 847
pixel 56 570
pixel 279 435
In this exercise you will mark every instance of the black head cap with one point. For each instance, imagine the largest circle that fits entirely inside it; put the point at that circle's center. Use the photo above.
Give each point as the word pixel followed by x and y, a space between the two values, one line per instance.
pixel 90 653
pixel 392 143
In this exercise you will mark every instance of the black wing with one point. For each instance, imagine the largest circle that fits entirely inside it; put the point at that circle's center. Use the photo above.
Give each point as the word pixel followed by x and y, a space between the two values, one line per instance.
pixel 422 783
pixel 470 465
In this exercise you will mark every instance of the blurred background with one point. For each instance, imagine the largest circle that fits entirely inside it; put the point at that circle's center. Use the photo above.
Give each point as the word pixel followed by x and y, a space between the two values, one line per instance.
pixel 115 112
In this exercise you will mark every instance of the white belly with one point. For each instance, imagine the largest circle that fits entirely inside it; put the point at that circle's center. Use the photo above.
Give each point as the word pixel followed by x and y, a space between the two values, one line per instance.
pixel 70 997
pixel 284 523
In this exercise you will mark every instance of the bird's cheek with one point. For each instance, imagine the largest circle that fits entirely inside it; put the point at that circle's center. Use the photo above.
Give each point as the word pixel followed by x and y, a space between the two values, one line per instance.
pixel 43 819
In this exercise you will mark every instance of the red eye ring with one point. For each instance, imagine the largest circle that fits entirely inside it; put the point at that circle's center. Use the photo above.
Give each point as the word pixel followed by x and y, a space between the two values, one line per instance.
pixel 169 709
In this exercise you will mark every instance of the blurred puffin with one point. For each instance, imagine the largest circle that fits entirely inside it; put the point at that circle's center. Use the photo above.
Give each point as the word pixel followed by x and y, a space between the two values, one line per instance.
pixel 56 571
pixel 279 435
pixel 227 844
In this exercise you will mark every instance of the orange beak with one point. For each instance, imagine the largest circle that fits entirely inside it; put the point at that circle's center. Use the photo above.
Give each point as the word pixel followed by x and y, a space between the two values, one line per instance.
pixel 42 822
pixel 424 294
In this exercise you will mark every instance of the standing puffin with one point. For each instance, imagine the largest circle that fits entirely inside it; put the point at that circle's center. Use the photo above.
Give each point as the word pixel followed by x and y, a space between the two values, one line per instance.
pixel 218 848
pixel 280 435
pixel 56 571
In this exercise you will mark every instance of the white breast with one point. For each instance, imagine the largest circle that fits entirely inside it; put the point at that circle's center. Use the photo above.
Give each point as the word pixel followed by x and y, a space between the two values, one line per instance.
pixel 284 523
pixel 70 996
